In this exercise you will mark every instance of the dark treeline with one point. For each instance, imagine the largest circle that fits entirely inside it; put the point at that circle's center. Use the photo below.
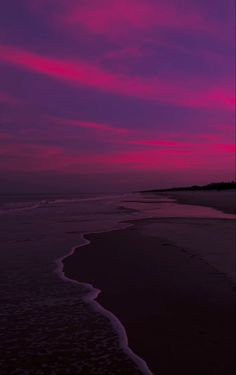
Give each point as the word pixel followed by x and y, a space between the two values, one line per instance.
pixel 212 186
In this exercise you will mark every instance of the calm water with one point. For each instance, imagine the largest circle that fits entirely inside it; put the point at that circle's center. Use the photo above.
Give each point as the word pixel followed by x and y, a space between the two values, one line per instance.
pixel 47 325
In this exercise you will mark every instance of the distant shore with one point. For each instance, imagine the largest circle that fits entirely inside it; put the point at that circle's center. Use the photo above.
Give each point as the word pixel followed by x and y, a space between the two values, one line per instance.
pixel 219 186
pixel 224 200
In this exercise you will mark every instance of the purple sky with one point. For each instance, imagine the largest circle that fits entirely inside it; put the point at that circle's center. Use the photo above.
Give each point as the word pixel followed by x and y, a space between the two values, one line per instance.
pixel 114 95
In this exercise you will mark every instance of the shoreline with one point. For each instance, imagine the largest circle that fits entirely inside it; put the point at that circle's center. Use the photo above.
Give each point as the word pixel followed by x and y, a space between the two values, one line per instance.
pixel 113 301
pixel 92 298
pixel 109 302
pixel 224 201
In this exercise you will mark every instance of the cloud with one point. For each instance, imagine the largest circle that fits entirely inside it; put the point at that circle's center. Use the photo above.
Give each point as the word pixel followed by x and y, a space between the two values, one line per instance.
pixel 88 125
pixel 82 73
pixel 135 150
pixel 9 99
pixel 154 143
pixel 42 158
pixel 124 19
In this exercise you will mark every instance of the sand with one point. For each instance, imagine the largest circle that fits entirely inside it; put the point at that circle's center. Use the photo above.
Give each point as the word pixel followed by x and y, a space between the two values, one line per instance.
pixel 222 200
pixel 176 306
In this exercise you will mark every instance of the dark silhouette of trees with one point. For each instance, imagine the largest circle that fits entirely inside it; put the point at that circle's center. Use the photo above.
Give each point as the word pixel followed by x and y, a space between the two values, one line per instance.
pixel 211 186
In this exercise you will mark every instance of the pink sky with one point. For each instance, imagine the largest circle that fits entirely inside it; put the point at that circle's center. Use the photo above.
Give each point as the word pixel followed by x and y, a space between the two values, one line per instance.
pixel 116 95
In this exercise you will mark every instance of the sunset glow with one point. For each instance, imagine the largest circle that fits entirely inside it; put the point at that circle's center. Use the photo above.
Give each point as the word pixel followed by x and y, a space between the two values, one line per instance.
pixel 116 93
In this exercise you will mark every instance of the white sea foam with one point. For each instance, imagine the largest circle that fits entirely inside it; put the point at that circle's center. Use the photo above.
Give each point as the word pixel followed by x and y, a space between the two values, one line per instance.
pixel 91 298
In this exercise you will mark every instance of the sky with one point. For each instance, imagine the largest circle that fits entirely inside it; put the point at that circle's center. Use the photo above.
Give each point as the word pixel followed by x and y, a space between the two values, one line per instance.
pixel 106 95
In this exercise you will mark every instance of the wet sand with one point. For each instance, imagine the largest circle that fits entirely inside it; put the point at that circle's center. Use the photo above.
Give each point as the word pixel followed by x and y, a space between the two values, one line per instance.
pixel 222 200
pixel 177 308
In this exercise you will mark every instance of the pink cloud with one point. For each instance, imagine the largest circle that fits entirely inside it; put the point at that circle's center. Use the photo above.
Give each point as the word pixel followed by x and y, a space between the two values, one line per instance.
pixel 89 125
pixel 134 25
pixel 117 19
pixel 4 137
pixel 21 157
pixel 140 137
pixel 81 73
pixel 9 99
pixel 38 157
pixel 231 148
pixel 46 158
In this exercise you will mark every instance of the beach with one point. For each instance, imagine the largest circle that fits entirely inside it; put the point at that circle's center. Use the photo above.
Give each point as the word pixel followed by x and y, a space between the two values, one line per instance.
pixel 121 284
pixel 48 325
pixel 170 282
pixel 224 200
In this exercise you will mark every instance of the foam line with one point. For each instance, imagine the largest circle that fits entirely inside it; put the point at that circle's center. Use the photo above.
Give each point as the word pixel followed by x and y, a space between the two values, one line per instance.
pixel 91 298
